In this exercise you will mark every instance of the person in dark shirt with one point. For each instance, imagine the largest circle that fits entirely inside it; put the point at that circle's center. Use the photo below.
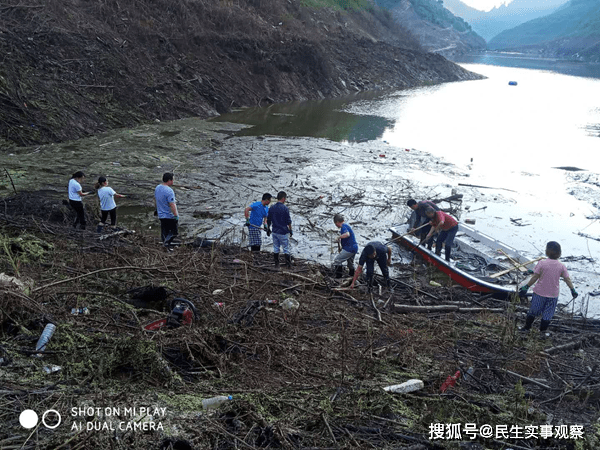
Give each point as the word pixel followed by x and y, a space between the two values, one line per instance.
pixel 374 251
pixel 279 217
pixel 349 247
pixel 421 218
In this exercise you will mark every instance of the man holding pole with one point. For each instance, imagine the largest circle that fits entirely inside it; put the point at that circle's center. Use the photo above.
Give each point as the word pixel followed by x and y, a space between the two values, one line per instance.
pixel 421 219
pixel 256 217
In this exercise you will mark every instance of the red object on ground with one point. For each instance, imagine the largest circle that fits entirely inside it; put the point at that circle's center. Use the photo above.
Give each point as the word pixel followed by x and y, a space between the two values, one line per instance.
pixel 450 381
pixel 382 156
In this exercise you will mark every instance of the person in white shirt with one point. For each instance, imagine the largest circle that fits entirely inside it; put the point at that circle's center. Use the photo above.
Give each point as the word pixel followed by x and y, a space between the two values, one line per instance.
pixel 107 203
pixel 75 200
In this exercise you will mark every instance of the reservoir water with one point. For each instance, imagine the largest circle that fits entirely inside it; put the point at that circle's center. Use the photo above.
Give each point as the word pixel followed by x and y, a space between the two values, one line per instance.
pixel 537 143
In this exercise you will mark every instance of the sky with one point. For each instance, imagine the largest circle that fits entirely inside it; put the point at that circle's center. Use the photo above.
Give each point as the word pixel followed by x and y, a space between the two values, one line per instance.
pixel 486 5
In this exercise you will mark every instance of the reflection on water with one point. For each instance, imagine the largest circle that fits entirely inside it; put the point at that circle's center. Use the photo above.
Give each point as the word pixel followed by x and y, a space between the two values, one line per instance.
pixel 575 68
pixel 322 118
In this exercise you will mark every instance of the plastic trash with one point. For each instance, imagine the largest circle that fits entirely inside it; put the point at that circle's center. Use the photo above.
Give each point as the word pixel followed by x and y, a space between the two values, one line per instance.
pixel 215 402
pixel 218 291
pixel 52 369
pixel 80 311
pixel 470 221
pixel 469 374
pixel 270 302
pixel 290 304
pixel 407 386
pixel 219 304
pixel 435 283
pixel 45 337
pixel 450 381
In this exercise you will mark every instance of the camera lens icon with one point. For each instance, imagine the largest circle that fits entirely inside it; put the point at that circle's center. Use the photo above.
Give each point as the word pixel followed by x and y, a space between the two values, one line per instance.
pixel 51 419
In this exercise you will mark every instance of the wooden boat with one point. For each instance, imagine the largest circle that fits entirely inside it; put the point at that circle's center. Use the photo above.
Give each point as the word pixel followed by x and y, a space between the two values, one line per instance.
pixel 500 270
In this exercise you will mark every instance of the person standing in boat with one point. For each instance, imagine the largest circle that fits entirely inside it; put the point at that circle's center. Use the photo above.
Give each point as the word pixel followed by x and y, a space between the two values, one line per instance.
pixel 374 251
pixel 75 200
pixel 546 277
pixel 421 218
pixel 447 227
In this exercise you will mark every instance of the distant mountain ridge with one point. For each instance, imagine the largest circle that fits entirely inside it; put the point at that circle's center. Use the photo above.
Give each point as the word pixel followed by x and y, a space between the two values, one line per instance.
pixel 573 31
pixel 489 24
pixel 435 27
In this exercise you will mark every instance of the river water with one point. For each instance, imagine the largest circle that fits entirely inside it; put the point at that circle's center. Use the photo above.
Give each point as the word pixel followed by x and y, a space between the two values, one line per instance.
pixel 537 144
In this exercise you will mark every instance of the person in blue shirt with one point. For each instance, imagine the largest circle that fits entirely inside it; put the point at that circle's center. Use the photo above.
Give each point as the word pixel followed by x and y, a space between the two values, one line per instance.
pixel 349 247
pixel 107 203
pixel 279 217
pixel 374 251
pixel 256 217
pixel 75 200
pixel 166 209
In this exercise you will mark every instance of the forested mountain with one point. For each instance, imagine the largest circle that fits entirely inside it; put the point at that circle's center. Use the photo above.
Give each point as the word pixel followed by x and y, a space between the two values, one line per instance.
pixel 489 23
pixel 436 28
pixel 573 31
pixel 71 68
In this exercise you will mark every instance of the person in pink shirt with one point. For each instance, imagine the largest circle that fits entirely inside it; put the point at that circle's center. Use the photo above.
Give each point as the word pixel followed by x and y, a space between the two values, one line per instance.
pixel 446 225
pixel 547 275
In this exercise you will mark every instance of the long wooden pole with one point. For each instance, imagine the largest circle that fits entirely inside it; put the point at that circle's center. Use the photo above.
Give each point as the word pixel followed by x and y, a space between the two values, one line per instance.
pixel 499 274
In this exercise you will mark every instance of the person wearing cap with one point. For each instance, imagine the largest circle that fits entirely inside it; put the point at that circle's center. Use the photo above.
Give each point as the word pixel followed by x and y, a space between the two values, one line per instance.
pixel 166 209
pixel 546 277
pixel 75 198
pixel 349 247
pixel 374 251
pixel 256 218
pixel 447 226
pixel 421 218
pixel 279 217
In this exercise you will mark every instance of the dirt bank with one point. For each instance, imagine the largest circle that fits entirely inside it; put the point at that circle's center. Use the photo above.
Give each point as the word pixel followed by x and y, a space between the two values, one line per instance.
pixel 70 70
pixel 305 378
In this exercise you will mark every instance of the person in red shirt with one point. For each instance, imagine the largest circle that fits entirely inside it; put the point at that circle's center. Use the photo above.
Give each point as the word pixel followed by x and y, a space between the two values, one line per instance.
pixel 447 227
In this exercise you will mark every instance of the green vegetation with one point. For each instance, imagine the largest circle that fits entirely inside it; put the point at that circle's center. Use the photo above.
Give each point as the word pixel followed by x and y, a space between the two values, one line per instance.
pixel 432 11
pixel 574 28
pixel 348 5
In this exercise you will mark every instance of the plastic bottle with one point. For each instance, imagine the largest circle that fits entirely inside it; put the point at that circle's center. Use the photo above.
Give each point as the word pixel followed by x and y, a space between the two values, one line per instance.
pixel 271 302
pixel 407 386
pixel 450 381
pixel 45 337
pixel 79 311
pixel 219 304
pixel 469 374
pixel 215 402
pixel 290 304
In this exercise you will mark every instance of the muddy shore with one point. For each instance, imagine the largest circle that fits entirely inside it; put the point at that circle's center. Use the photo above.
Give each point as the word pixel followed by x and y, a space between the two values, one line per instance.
pixel 305 379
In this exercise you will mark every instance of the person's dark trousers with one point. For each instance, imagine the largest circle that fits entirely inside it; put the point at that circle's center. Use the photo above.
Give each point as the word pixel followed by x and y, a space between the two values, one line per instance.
pixel 168 230
pixel 113 216
pixel 446 237
pixel 80 219
pixel 423 235
pixel 382 263
pixel 255 248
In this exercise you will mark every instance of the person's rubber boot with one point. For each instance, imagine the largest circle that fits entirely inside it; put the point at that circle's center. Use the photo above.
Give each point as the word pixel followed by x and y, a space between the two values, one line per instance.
pixel 99 228
pixel 288 261
pixel 339 271
pixel 276 260
pixel 351 271
pixel 528 322
pixel 544 326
